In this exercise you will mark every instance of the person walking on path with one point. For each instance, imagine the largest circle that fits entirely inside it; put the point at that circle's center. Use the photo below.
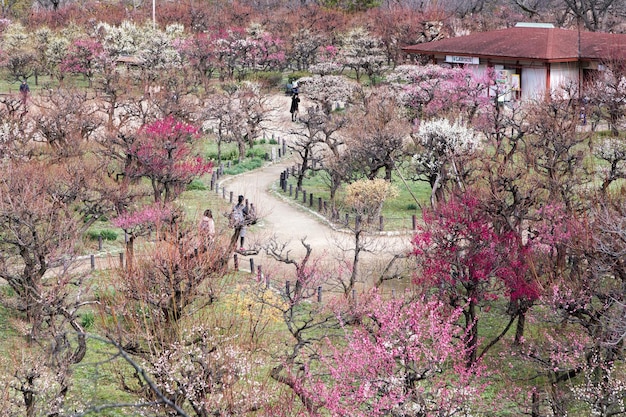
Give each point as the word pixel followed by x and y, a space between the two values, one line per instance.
pixel 24 91
pixel 295 100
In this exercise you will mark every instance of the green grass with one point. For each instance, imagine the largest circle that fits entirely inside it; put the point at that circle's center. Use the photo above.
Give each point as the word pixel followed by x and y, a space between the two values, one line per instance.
pixel 397 212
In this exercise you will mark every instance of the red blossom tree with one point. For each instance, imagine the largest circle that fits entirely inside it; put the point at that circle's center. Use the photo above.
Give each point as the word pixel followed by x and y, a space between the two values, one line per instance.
pixel 471 264
pixel 163 152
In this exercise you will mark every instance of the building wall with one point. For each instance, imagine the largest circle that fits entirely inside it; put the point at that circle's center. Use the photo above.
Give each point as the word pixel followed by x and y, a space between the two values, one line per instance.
pixel 563 75
pixel 533 83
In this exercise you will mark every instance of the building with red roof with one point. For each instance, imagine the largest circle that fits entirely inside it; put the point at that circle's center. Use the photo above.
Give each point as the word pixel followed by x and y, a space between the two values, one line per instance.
pixel 530 59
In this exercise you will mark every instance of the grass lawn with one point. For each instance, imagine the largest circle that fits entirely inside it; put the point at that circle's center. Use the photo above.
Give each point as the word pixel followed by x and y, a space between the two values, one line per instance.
pixel 397 212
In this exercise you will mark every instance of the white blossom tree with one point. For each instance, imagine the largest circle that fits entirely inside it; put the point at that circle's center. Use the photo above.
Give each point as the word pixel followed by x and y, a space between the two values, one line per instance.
pixel 329 91
pixel 443 147
pixel 362 53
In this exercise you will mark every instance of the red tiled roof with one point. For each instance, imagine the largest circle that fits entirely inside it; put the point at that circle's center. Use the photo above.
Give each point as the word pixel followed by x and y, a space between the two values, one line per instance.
pixel 544 44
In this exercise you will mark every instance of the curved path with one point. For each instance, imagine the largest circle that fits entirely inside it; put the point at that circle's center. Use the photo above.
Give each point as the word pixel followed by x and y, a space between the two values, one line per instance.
pixel 283 219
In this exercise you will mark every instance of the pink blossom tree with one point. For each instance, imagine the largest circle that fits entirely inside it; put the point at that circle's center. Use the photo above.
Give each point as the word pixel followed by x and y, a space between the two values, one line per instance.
pixel 430 91
pixel 199 51
pixel 401 356
pixel 163 152
pixel 140 223
pixel 82 57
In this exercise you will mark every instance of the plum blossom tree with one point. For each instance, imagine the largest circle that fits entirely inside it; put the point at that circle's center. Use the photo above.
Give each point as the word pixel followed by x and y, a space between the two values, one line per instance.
pixel 199 51
pixel 441 156
pixel 193 368
pixel 304 47
pixel 377 134
pixel 157 52
pixel 329 91
pixel 583 298
pixel 433 91
pixel 232 47
pixel 367 197
pixel 401 356
pixel 42 218
pixel 122 40
pixel 81 58
pixel 397 357
pixel 471 264
pixel 327 62
pixel 362 53
pixel 163 153
pixel 20 61
pixel 613 152
pixel 267 52
pixel 607 93
pixel 66 120
pixel 555 150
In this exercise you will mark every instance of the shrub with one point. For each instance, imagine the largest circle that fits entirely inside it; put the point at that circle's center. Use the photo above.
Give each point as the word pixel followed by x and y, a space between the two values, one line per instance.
pixel 196 184
pixel 105 234
pixel 296 75
pixel 245 166
pixel 255 153
pixel 268 79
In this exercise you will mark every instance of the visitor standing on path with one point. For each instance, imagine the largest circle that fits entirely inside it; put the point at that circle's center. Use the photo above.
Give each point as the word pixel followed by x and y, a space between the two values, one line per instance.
pixel 295 100
pixel 238 218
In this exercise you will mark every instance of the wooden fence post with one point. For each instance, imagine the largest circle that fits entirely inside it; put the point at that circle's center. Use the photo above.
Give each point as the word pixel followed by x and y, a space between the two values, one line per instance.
pixel 236 262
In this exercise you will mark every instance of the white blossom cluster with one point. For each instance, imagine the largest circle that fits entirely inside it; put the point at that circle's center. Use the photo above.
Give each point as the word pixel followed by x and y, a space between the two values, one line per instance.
pixel 328 90
pixel 604 397
pixel 122 40
pixel 213 372
pixel 362 51
pixel 441 141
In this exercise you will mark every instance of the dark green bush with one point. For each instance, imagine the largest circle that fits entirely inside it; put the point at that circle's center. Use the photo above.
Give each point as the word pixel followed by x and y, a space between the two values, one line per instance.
pixel 196 185
pixel 105 234
pixel 255 153
pixel 296 75
pixel 268 79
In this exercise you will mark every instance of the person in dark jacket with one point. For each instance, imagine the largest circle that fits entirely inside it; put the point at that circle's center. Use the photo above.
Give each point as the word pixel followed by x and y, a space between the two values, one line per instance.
pixel 295 100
